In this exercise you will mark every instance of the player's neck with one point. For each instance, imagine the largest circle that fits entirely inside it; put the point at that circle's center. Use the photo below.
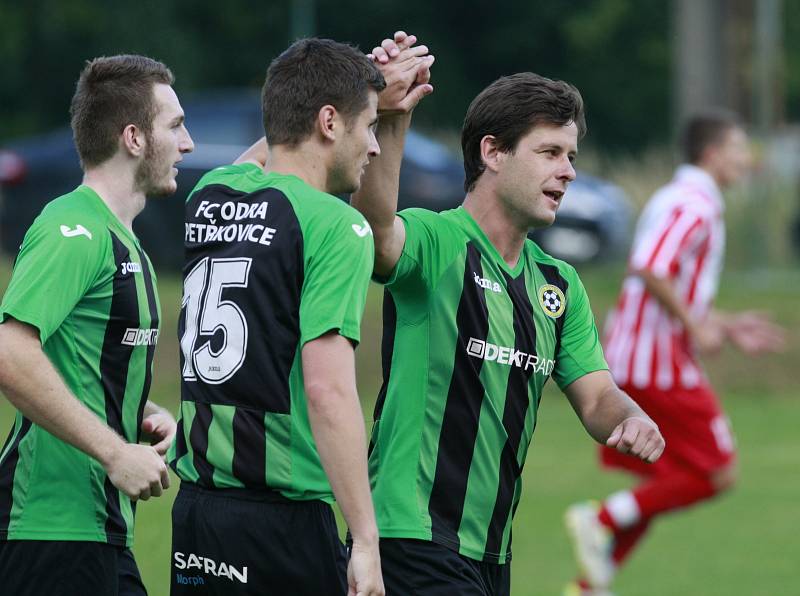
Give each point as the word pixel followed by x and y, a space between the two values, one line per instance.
pixel 499 228
pixel 716 175
pixel 303 161
pixel 117 188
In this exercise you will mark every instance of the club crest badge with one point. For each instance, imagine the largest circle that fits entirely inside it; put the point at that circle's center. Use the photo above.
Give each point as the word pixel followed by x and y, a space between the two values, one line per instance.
pixel 552 301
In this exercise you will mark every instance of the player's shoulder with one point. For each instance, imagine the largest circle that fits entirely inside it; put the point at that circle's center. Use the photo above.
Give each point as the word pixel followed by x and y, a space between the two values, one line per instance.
pixel 677 196
pixel 536 256
pixel 438 222
pixel 244 177
pixel 79 216
pixel 312 204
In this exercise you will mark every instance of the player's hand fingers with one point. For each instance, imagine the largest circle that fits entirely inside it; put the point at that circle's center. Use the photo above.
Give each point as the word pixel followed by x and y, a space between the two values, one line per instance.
pixel 379 55
pixel 615 436
pixel 390 47
pixel 412 57
pixel 404 40
pixel 163 445
pixel 656 452
pixel 144 494
pixel 424 72
pixel 645 449
pixel 148 425
pixel 630 432
pixel 410 101
pixel 165 477
pixel 155 488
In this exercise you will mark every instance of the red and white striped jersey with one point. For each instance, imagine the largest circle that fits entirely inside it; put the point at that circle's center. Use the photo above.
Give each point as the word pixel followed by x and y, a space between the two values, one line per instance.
pixel 680 236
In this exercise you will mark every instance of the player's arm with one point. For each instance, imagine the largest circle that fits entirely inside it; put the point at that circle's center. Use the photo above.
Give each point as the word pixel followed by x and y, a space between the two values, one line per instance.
pixel 338 427
pixel 708 334
pixel 406 69
pixel 613 418
pixel 34 387
pixel 753 332
pixel 159 426
pixel 256 154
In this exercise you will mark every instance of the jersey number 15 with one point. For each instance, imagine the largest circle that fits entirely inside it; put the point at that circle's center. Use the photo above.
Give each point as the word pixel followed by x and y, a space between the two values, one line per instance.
pixel 207 314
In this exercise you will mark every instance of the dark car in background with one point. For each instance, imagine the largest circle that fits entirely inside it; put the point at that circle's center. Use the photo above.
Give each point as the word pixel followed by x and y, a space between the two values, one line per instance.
pixel 593 220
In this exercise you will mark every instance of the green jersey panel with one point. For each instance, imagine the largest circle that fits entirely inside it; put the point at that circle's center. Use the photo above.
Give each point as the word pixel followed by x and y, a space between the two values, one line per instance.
pixel 469 343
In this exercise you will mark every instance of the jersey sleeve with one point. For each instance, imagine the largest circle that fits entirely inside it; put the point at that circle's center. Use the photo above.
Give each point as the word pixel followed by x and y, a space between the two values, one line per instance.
pixel 419 263
pixel 338 264
pixel 580 351
pixel 669 242
pixel 58 263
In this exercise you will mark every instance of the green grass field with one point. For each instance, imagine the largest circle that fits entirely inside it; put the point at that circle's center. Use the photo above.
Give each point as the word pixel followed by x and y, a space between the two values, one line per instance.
pixel 746 543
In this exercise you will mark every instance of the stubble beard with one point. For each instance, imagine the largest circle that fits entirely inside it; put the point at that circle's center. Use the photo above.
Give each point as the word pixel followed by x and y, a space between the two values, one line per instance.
pixel 148 175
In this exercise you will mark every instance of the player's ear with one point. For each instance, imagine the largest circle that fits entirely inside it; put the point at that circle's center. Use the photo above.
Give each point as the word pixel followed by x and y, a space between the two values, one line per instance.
pixel 132 140
pixel 328 122
pixel 491 155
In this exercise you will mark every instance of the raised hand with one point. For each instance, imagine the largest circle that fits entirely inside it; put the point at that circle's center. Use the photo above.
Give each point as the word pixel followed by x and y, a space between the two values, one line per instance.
pixel 406 68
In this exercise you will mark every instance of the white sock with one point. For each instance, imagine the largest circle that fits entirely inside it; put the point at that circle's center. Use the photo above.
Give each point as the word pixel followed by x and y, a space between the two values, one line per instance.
pixel 623 509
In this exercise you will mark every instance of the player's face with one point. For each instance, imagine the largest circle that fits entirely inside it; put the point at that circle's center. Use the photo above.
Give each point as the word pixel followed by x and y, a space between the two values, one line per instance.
pixel 533 179
pixel 357 145
pixel 733 158
pixel 165 145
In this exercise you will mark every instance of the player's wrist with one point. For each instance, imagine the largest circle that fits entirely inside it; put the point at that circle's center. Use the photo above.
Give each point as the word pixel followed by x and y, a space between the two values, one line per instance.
pixel 366 539
pixel 393 120
pixel 110 451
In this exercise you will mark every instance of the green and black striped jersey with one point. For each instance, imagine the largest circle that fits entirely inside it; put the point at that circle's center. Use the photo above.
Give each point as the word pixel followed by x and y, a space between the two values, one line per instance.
pixel 271 264
pixel 82 279
pixel 468 345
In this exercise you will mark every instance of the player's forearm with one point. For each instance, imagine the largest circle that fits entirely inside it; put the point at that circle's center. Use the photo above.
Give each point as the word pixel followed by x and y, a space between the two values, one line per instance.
pixel 377 196
pixel 601 405
pixel 257 153
pixel 612 408
pixel 338 429
pixel 32 385
pixel 664 292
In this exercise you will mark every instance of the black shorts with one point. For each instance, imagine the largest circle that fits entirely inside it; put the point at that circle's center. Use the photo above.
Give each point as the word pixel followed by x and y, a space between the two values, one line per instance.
pixel 67 568
pixel 239 541
pixel 422 568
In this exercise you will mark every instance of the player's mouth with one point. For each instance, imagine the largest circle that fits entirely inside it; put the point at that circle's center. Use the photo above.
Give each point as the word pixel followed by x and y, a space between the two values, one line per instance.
pixel 554 195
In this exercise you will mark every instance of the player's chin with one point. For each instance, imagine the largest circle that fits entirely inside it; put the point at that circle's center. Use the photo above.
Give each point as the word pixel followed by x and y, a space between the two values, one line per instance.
pixel 346 188
pixel 163 190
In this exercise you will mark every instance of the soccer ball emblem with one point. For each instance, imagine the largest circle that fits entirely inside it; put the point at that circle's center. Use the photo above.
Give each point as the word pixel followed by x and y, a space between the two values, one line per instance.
pixel 552 300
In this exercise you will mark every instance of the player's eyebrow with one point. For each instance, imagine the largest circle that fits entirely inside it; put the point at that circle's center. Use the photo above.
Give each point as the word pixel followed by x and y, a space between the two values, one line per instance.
pixel 179 119
pixel 560 148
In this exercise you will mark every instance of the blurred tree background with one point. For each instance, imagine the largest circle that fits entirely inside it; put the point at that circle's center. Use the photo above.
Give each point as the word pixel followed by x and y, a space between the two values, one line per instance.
pixel 619 53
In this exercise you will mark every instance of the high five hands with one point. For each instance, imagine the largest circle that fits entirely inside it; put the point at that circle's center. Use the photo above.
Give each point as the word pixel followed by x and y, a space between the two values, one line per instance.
pixel 407 70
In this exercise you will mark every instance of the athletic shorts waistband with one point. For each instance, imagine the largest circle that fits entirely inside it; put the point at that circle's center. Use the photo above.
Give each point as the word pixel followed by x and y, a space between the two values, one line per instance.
pixel 262 495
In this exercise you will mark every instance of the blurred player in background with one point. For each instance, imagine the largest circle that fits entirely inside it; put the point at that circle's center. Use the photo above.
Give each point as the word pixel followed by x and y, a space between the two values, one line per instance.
pixel 80 321
pixel 663 320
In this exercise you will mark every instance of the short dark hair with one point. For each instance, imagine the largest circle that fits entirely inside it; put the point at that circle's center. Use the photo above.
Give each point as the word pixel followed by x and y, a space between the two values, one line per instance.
pixel 705 129
pixel 308 75
pixel 113 92
pixel 509 108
